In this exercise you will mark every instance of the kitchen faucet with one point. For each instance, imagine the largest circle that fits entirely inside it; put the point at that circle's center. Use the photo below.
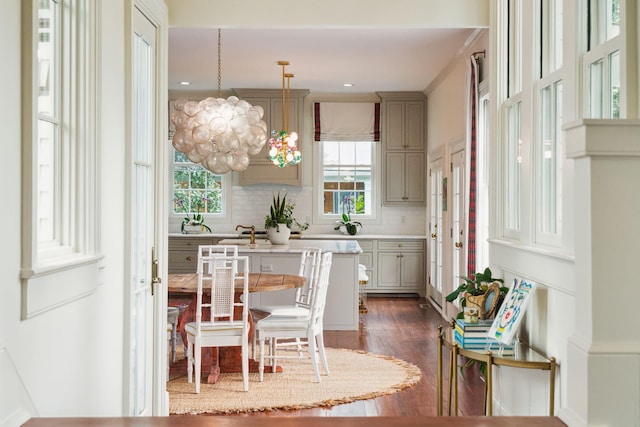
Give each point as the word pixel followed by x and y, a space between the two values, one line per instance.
pixel 253 232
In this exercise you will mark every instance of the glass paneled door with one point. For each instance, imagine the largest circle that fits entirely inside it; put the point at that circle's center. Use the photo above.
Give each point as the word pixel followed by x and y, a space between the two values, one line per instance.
pixel 436 206
pixel 142 155
pixel 458 219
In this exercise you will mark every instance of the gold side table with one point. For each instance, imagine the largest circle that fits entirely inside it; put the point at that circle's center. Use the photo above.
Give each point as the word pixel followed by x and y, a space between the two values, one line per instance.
pixel 524 357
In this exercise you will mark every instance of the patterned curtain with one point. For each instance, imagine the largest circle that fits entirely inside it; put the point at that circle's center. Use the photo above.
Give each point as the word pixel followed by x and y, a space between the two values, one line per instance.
pixel 473 139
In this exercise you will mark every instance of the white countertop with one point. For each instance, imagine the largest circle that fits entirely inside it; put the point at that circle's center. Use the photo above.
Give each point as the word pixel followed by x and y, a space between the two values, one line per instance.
pixel 362 236
pixel 295 246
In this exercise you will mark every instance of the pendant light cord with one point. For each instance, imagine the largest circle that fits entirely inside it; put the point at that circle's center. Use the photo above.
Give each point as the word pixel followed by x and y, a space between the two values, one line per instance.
pixel 219 65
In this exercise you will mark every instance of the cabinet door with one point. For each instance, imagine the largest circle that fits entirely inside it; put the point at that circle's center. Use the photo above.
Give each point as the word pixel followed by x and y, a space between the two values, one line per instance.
pixel 415 178
pixel 394 182
pixel 388 270
pixel 276 116
pixel 394 125
pixel 282 265
pixel 414 125
pixel 412 270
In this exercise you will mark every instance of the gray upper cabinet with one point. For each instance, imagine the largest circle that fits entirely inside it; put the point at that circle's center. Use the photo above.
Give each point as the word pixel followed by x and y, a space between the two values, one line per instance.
pixel 261 170
pixel 403 146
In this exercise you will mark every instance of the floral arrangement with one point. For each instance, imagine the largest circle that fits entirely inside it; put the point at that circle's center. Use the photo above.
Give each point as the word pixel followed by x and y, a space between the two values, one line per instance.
pixel 196 219
pixel 281 212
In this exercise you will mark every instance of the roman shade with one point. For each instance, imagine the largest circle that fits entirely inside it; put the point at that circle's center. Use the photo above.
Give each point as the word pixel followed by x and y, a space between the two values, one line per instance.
pixel 346 121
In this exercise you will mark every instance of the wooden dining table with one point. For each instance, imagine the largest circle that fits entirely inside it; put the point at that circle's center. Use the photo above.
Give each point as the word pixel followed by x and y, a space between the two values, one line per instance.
pixel 226 359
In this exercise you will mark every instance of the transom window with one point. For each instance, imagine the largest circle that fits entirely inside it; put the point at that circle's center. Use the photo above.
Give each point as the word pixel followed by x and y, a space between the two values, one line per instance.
pixel 347 177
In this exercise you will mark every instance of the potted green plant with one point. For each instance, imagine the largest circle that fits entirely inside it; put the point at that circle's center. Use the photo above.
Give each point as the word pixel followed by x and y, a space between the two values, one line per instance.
pixel 195 222
pixel 477 284
pixel 280 219
pixel 347 226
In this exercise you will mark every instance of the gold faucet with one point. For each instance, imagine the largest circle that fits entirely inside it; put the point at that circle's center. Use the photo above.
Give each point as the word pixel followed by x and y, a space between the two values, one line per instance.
pixel 253 232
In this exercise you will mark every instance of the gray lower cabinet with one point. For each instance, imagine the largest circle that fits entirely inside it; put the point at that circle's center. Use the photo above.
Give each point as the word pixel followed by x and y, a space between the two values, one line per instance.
pixel 394 266
pixel 183 252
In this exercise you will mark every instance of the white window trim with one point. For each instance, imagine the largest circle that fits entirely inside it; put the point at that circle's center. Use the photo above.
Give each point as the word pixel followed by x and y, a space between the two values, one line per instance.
pixel 52 278
pixel 319 217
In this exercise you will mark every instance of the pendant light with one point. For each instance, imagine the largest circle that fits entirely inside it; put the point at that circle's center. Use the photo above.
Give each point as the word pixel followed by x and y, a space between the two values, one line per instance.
pixel 284 146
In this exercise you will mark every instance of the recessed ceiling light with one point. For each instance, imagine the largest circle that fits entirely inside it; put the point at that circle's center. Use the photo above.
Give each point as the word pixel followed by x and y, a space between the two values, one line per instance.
pixel 348 85
pixel 185 83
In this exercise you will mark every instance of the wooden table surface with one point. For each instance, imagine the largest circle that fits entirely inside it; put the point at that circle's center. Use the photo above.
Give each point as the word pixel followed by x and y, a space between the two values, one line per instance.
pixel 288 421
pixel 258 282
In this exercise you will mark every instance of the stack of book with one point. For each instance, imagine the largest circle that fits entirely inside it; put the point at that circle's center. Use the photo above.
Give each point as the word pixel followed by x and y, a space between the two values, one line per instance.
pixel 473 336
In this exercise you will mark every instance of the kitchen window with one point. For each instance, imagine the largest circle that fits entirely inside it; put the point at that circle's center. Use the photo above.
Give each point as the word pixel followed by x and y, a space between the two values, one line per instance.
pixel 195 189
pixel 347 171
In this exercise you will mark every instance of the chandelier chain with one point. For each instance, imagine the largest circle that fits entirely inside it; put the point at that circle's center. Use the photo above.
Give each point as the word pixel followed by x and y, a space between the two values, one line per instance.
pixel 219 65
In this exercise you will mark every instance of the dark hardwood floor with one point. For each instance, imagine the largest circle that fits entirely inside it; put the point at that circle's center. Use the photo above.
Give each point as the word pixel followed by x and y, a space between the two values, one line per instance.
pixel 402 327
pixel 405 328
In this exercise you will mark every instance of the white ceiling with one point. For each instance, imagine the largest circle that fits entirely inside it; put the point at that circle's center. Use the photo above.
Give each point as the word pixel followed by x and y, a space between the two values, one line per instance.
pixel 322 60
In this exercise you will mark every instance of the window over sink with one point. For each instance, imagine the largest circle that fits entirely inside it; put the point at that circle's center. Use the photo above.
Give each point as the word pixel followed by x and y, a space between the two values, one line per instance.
pixel 195 189
pixel 347 177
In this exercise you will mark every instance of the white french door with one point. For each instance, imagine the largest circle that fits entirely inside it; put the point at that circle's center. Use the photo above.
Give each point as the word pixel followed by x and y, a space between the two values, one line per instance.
pixel 143 125
pixel 458 219
pixel 436 224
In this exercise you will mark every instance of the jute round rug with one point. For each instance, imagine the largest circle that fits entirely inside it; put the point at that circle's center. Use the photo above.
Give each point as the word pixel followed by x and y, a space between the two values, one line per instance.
pixel 354 375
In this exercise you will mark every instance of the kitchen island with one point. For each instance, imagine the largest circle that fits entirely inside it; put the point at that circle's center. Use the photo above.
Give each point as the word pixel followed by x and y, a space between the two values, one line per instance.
pixel 341 312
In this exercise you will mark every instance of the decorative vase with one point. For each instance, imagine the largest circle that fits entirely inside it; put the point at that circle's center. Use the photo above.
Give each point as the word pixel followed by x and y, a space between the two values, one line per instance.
pixel 279 235
pixel 192 229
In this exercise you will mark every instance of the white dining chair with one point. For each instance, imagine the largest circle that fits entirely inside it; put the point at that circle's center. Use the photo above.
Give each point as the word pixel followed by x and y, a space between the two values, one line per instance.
pixel 172 330
pixel 209 250
pixel 301 305
pixel 308 326
pixel 215 325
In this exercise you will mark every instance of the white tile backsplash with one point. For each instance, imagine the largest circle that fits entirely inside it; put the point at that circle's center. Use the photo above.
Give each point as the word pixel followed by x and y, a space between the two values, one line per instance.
pixel 250 204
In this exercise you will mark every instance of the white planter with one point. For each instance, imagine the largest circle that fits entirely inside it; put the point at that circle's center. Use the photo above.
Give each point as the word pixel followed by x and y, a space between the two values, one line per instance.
pixel 343 229
pixel 192 229
pixel 279 235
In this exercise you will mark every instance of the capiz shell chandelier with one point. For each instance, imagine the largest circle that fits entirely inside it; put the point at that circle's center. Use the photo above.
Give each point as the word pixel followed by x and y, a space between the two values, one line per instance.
pixel 284 146
pixel 220 134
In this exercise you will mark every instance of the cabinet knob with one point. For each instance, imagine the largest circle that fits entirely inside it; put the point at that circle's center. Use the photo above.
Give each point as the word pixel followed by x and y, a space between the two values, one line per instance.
pixel 434 235
pixel 189 258
pixel 458 245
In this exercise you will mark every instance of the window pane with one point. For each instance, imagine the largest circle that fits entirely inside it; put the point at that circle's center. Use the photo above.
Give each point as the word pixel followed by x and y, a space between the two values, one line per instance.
pixel 46 181
pixel 551 31
pixel 48 138
pixel 346 175
pixel 595 90
pixel 612 15
pixel 614 90
pixel 48 24
pixel 550 159
pixel 512 185
pixel 514 62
